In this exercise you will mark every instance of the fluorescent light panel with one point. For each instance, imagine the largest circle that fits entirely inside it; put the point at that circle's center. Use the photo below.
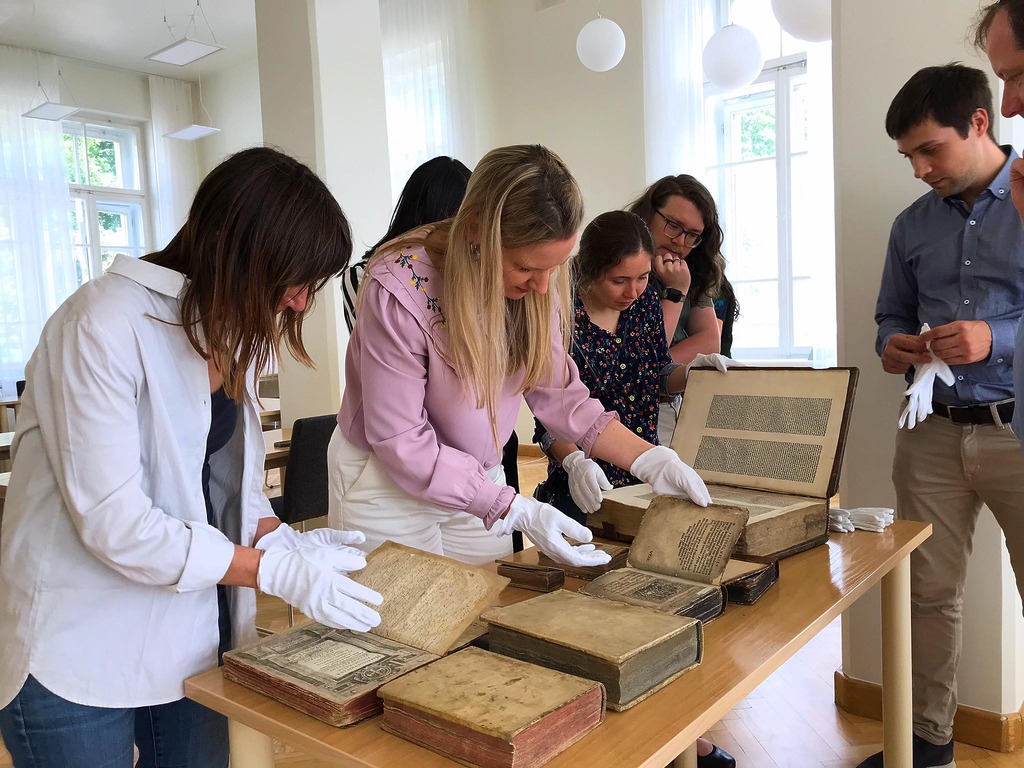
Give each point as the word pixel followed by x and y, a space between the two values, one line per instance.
pixel 183 52
pixel 50 110
pixel 192 132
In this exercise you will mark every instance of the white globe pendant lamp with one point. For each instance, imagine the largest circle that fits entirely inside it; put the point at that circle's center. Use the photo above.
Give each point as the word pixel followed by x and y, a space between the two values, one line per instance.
pixel 809 20
pixel 601 44
pixel 732 58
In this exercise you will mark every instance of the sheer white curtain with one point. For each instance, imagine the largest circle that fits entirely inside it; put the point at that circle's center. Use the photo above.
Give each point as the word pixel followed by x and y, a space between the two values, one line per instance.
pixel 674 86
pixel 426 82
pixel 174 169
pixel 36 262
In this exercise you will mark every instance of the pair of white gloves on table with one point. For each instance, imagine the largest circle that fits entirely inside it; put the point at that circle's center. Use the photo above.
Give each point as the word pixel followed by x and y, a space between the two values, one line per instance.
pixel 308 571
pixel 919 394
pixel 659 467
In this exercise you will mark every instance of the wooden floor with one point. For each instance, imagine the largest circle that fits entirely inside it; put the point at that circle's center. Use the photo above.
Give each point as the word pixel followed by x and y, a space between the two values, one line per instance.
pixel 790 721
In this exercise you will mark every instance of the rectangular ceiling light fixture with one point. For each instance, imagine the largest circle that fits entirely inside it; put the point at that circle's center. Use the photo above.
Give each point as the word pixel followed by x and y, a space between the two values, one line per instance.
pixel 184 51
pixel 192 132
pixel 50 110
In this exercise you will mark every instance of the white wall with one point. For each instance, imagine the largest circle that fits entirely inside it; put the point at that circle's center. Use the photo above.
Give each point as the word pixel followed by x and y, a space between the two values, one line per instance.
pixel 232 98
pixel 873 184
pixel 117 92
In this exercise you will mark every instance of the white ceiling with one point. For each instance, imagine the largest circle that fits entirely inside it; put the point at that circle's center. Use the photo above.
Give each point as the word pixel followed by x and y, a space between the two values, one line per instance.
pixel 122 33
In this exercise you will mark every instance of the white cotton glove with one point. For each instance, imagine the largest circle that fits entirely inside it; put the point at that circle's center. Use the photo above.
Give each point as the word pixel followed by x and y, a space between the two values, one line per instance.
pixel 312 578
pixel 667 475
pixel 714 360
pixel 286 536
pixel 919 394
pixel 586 481
pixel 545 526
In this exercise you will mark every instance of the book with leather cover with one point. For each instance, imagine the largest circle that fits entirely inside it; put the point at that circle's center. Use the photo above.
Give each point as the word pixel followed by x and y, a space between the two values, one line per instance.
pixel 677 560
pixel 632 651
pixel 770 440
pixel 492 711
pixel 532 569
pixel 430 603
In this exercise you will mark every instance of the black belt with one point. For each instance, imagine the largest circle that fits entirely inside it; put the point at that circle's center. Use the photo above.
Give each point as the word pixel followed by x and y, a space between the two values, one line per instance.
pixel 975 414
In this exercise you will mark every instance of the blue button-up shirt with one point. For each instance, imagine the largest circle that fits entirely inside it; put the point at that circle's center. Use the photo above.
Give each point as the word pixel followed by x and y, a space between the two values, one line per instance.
pixel 948 262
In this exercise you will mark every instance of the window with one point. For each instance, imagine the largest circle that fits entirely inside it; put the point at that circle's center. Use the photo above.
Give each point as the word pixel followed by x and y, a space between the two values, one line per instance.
pixel 765 164
pixel 107 208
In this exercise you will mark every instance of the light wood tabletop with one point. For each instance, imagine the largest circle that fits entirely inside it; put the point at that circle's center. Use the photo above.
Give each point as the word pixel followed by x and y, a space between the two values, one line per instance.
pixel 5 406
pixel 741 649
pixel 277 456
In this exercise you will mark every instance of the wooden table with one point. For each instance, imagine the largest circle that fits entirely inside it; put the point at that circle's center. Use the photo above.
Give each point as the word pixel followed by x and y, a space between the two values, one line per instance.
pixel 742 648
pixel 6 438
pixel 5 421
pixel 277 457
pixel 270 413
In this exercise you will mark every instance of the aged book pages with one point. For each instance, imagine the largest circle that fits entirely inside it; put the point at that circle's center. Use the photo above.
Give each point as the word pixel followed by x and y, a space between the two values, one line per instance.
pixel 670 594
pixel 616 552
pixel 429 600
pixel 772 429
pixel 679 538
pixel 330 674
pixel 488 710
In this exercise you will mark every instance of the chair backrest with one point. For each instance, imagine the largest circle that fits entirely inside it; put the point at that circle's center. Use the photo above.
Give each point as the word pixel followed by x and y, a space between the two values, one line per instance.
pixel 305 483
pixel 19 387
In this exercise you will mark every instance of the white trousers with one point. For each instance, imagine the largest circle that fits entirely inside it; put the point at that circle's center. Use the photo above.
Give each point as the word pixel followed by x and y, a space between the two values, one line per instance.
pixel 364 498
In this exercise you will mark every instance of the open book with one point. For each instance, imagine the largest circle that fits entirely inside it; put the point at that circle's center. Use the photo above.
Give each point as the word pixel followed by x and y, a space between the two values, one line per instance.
pixel 770 440
pixel 677 560
pixel 333 674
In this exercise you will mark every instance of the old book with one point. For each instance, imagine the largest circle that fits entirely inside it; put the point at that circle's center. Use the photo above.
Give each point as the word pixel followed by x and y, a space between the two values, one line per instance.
pixel 539 578
pixel 677 560
pixel 430 603
pixel 542 566
pixel 770 440
pixel 745 581
pixel 632 651
pixel 493 711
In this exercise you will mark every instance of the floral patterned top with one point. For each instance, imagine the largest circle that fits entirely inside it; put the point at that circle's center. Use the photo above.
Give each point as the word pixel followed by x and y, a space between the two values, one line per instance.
pixel 623 370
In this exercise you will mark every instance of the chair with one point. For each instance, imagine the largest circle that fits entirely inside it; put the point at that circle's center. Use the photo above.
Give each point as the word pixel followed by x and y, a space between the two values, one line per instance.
pixel 305 492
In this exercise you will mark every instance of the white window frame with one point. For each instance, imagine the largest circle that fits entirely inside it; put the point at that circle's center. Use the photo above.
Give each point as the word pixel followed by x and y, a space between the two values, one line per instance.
pixel 93 196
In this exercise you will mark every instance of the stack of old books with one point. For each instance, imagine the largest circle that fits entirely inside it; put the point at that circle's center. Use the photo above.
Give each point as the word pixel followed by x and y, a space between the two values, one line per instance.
pixel 769 440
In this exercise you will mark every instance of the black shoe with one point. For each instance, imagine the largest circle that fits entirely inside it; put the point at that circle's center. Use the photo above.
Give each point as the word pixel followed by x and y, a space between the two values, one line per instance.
pixel 716 758
pixel 926 755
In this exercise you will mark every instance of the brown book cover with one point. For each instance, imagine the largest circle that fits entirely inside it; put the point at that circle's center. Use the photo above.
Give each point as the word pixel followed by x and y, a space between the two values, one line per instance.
pixel 492 711
pixel 677 560
pixel 632 651
pixel 770 440
pixel 539 578
pixel 542 566
pixel 745 581
pixel 430 603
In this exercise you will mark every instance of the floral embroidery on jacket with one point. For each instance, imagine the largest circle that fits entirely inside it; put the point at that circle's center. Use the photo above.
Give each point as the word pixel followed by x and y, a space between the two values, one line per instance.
pixel 408 260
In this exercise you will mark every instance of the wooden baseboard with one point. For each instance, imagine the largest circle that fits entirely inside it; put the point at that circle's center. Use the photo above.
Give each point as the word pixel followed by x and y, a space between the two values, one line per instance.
pixel 989 730
pixel 530 451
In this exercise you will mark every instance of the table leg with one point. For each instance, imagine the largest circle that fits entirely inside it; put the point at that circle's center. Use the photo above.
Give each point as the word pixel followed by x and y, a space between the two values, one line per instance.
pixel 249 747
pixel 897 696
pixel 688 759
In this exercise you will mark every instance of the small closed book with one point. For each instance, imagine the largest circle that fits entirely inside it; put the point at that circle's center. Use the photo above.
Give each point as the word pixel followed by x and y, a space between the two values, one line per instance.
pixel 333 674
pixel 492 711
pixel 532 569
pixel 677 559
pixel 632 651
pixel 770 440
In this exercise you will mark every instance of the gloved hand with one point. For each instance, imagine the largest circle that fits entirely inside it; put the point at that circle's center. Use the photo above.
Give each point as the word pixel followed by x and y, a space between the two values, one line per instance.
pixel 545 526
pixel 313 580
pixel 586 481
pixel 667 475
pixel 286 536
pixel 721 362
pixel 919 394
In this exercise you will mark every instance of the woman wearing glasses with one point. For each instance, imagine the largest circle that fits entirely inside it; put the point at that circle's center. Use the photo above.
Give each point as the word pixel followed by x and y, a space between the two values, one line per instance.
pixel 688 270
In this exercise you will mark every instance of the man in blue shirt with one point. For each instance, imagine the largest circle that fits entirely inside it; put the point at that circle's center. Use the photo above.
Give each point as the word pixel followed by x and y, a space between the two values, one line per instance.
pixel 956 262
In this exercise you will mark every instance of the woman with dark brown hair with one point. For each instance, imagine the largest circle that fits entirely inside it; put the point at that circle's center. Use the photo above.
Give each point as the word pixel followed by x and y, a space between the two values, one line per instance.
pixel 136 529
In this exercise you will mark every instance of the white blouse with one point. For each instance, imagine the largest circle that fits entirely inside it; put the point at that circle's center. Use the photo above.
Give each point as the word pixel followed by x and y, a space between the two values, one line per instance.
pixel 108 567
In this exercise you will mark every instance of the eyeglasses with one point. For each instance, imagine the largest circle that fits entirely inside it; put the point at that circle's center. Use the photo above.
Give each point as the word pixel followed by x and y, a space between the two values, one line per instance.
pixel 674 229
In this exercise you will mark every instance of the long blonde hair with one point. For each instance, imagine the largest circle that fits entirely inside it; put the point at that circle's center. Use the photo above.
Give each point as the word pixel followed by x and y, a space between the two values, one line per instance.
pixel 518 196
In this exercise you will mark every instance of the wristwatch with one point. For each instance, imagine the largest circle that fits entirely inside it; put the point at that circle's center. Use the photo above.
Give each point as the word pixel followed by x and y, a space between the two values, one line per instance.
pixel 546 441
pixel 672 294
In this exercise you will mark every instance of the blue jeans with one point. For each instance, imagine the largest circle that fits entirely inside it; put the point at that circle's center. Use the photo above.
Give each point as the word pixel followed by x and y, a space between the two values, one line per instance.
pixel 42 730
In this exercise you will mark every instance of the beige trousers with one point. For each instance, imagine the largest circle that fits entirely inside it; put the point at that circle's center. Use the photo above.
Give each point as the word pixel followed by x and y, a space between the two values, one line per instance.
pixel 362 497
pixel 943 473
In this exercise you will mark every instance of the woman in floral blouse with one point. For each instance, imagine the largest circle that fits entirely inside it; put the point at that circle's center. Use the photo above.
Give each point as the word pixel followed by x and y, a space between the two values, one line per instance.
pixel 620 350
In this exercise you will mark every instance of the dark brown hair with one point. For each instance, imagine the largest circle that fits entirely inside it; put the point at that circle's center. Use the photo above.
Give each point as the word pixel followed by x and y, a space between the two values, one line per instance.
pixel 261 224
pixel 949 95
pixel 1014 10
pixel 706 263
pixel 607 240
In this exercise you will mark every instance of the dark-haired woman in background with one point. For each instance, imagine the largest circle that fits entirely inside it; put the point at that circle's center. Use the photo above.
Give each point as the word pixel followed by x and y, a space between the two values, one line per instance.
pixel 433 192
pixel 688 269
pixel 136 530
pixel 727 310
